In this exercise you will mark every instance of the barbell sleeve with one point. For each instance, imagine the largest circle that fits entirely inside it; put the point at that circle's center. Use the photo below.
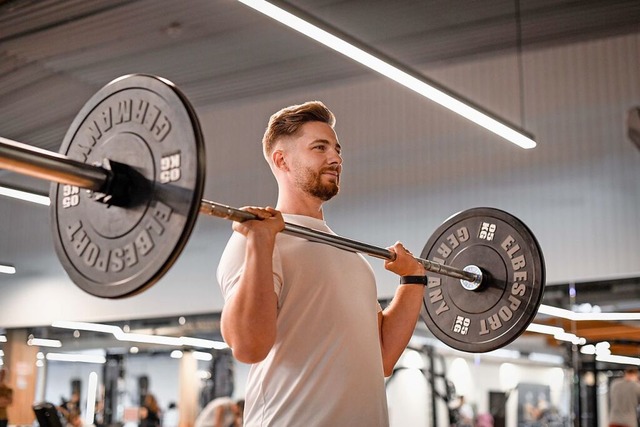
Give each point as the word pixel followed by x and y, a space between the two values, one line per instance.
pixel 37 163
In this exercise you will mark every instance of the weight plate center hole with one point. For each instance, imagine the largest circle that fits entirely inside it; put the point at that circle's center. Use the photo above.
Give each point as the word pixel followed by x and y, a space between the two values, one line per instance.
pixel 494 283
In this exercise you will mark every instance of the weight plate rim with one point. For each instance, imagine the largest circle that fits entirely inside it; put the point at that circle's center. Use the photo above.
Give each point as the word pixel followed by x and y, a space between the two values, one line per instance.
pixel 530 311
pixel 118 290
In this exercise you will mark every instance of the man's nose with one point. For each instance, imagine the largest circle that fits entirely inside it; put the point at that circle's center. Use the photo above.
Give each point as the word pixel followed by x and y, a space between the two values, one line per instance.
pixel 335 157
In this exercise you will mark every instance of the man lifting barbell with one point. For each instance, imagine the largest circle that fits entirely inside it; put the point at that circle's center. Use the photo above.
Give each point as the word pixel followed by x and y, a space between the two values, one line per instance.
pixel 128 185
pixel 306 314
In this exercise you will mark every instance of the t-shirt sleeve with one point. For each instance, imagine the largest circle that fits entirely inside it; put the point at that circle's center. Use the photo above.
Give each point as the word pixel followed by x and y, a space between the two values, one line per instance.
pixel 231 267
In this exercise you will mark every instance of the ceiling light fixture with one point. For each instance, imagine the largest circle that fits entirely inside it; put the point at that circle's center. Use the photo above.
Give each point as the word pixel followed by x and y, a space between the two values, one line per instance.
pixel 7 269
pixel 92 391
pixel 24 195
pixel 558 333
pixel 544 329
pixel 141 338
pixel 569 337
pixel 74 357
pixel 572 315
pixel 86 326
pixel 400 73
pixel 504 353
pixel 201 355
pixel 3 338
pixel 625 360
pixel 42 342
pixel 546 358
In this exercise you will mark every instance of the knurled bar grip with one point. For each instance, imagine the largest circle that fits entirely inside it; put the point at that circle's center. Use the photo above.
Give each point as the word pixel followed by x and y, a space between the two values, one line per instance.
pixel 42 164
pixel 227 212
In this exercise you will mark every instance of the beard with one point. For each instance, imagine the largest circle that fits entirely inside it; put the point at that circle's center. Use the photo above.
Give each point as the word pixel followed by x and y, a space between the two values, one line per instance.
pixel 311 183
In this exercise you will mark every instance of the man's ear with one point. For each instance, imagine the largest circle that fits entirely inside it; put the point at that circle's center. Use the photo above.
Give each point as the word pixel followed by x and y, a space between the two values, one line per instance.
pixel 278 160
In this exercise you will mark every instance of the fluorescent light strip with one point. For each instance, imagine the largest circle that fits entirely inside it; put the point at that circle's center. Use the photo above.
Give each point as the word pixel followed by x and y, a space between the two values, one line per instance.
pixel 200 355
pixel 42 342
pixel 7 269
pixel 504 353
pixel 572 315
pixel 546 358
pixel 86 326
pixel 142 338
pixel 73 357
pixel 92 390
pixel 625 360
pixel 569 337
pixel 390 71
pixel 200 342
pixel 544 329
pixel 558 333
pixel 3 338
pixel 149 339
pixel 24 195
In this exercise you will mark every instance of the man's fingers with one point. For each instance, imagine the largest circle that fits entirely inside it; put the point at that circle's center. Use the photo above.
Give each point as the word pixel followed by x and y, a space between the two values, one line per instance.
pixel 262 213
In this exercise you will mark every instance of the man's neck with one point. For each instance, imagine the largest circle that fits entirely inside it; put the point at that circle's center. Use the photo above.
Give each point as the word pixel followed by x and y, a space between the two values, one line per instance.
pixel 300 205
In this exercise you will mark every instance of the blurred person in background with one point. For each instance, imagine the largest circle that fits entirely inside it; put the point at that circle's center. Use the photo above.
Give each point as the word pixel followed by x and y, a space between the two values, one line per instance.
pixel 221 412
pixel 6 397
pixel 624 398
pixel 150 412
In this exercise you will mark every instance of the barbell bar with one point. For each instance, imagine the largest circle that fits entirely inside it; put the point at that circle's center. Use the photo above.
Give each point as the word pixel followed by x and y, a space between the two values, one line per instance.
pixel 127 188
pixel 54 167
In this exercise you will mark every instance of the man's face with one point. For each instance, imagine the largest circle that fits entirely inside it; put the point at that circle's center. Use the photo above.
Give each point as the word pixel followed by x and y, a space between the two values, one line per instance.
pixel 315 161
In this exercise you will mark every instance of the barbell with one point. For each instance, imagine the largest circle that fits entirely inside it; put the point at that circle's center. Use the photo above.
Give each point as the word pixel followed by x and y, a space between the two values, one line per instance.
pixel 127 188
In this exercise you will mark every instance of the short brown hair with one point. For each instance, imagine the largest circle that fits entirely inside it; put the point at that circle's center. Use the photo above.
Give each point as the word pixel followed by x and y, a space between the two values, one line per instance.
pixel 288 121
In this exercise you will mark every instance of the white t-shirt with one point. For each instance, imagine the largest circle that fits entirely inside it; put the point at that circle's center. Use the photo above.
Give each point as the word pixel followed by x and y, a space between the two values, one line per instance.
pixel 325 368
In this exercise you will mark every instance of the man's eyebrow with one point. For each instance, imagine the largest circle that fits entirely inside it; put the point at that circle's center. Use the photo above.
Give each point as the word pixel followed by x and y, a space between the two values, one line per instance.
pixel 327 142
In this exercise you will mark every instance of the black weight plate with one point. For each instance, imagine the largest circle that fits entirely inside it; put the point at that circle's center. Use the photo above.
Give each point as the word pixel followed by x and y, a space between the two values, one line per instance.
pixel 496 313
pixel 146 123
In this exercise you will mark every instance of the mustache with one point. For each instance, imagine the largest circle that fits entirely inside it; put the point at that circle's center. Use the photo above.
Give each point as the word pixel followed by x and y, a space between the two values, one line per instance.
pixel 336 168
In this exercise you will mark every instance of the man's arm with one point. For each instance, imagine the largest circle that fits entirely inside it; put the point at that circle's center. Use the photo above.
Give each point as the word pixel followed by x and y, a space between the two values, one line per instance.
pixel 248 320
pixel 398 321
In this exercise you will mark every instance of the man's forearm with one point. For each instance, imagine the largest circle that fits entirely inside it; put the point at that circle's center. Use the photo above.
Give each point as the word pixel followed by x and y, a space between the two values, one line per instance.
pixel 398 323
pixel 249 317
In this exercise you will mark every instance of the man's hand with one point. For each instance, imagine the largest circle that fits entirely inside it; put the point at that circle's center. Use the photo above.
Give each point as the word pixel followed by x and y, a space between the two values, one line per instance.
pixel 270 223
pixel 405 263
